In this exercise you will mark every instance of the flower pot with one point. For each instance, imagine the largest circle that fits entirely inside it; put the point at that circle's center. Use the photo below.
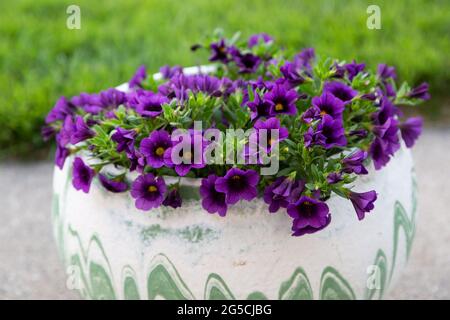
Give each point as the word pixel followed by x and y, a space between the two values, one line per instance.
pixel 114 251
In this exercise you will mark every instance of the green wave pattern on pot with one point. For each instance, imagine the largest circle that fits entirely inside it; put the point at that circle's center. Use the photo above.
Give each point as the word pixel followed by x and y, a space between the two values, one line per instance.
pixel 334 287
pixel 297 287
pixel 216 289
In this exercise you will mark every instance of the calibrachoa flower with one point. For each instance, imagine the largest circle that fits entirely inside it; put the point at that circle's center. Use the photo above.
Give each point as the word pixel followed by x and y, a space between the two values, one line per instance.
pixel 363 202
pixel 411 130
pixel 354 163
pixel 329 104
pixel 124 139
pixel 138 78
pixel 341 90
pixel 148 191
pixel 173 199
pixel 282 100
pixel 212 200
pixel 82 175
pixel 238 185
pixel 115 186
pixel 310 215
pixel 332 119
pixel 154 147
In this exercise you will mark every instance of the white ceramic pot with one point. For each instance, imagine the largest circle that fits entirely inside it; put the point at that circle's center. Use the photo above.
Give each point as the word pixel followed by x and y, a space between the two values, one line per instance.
pixel 115 251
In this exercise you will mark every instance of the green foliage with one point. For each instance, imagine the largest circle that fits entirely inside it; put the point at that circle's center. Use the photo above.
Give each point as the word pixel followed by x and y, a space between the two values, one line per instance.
pixel 40 59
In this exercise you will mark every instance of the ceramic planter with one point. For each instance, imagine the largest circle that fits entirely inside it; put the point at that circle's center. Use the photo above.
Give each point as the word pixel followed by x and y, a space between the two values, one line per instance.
pixel 115 251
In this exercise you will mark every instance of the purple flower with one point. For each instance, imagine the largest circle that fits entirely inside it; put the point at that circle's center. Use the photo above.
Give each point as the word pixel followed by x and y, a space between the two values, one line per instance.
pixel 310 215
pixel 411 130
pixel 334 177
pixel 84 100
pixel 61 152
pixel 386 111
pixel 257 38
pixel 149 104
pixel 112 98
pixel 82 175
pixel 60 111
pixel 148 191
pixel 238 184
pixel 388 133
pixel 329 104
pixel 420 92
pixel 246 62
pixel 311 114
pixel 173 199
pixel 219 51
pixel 363 202
pixel 353 69
pixel 81 131
pixel 385 72
pixel 186 153
pixel 168 72
pixel 112 185
pixel 207 84
pixel 292 73
pixel 154 147
pixel 258 107
pixel 378 153
pixel 304 59
pixel 47 132
pixel 329 133
pixel 268 126
pixel 354 163
pixel 340 91
pixel 124 139
pixel 138 78
pixel 279 194
pixel 212 200
pixel 137 160
pixel 282 101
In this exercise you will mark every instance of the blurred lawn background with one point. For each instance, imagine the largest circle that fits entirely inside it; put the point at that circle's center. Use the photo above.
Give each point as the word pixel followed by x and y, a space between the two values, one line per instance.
pixel 40 59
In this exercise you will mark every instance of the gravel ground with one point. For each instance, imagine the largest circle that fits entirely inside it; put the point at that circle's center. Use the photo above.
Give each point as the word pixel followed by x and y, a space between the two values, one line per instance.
pixel 30 269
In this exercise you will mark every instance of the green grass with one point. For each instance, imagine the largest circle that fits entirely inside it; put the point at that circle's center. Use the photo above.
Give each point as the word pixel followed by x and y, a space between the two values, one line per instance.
pixel 40 59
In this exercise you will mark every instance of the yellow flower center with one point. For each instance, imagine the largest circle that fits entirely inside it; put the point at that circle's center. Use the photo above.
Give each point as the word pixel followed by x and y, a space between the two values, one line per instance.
pixel 159 151
pixel 152 189
pixel 236 177
pixel 279 107
pixel 323 112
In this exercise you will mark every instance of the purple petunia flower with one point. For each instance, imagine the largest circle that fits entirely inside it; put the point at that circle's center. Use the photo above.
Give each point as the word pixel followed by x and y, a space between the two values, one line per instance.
pixel 149 104
pixel 388 133
pixel 341 91
pixel 112 98
pixel 354 163
pixel 385 72
pixel 329 133
pixel 411 130
pixel 329 104
pixel 238 184
pixel 173 199
pixel 282 100
pixel 311 114
pixel 246 62
pixel 168 72
pixel 219 52
pixel 257 38
pixel 258 107
pixel 420 92
pixel 154 147
pixel 60 111
pixel 379 154
pixel 61 152
pixel 137 160
pixel 82 175
pixel 353 69
pixel 305 58
pixel 186 153
pixel 212 200
pixel 268 126
pixel 334 177
pixel 112 185
pixel 310 215
pixel 81 131
pixel 292 74
pixel 148 191
pixel 279 194
pixel 47 132
pixel 386 111
pixel 124 139
pixel 138 78
pixel 363 202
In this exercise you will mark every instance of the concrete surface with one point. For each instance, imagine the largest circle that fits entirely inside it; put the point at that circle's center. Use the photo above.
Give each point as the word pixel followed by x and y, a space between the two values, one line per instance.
pixel 30 269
